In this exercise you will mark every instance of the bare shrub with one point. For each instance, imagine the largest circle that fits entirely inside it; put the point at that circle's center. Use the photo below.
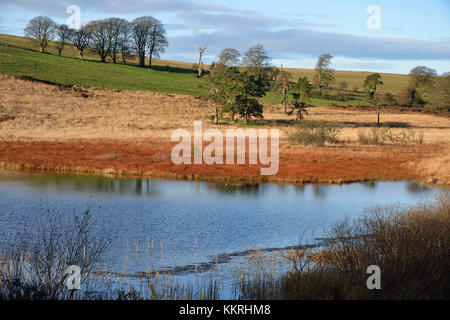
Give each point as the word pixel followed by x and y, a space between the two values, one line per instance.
pixel 411 247
pixel 380 136
pixel 315 133
pixel 33 264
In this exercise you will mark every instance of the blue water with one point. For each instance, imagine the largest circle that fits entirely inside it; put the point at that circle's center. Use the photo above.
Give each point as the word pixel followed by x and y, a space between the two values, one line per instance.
pixel 193 221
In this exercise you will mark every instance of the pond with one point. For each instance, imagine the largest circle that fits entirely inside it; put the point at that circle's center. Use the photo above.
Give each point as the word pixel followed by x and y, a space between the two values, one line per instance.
pixel 175 224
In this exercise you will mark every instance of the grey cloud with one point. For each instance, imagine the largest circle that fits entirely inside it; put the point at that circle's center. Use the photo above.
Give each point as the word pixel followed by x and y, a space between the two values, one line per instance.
pixel 311 42
pixel 237 21
pixel 175 26
pixel 222 27
pixel 227 21
pixel 58 8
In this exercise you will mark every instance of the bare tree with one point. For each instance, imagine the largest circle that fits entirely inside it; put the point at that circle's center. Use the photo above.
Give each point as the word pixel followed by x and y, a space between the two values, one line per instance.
pixel 140 30
pixel 283 84
pixel 157 41
pixel 124 42
pixel 80 39
pixel 34 263
pixel 256 60
pixel 324 73
pixel 64 35
pixel 114 28
pixel 99 36
pixel 229 57
pixel 201 52
pixel 42 29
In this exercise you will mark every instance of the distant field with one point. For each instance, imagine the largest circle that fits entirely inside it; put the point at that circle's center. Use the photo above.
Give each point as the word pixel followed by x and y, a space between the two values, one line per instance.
pixel 15 60
pixel 393 83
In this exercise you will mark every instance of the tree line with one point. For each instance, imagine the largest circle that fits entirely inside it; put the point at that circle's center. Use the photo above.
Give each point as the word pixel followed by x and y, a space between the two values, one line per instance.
pixel 144 36
pixel 235 81
pixel 236 84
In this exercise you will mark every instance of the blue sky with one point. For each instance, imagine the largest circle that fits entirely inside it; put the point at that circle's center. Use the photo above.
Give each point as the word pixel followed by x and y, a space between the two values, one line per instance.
pixel 294 32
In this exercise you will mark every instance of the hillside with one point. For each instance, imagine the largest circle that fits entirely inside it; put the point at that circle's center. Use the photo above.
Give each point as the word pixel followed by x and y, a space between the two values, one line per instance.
pixel 18 57
pixel 47 127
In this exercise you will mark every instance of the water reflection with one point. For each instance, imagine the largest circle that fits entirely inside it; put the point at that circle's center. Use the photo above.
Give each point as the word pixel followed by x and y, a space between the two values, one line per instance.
pixel 370 185
pixel 139 187
pixel 415 187
pixel 221 217
pixel 320 191
pixel 227 188
pixel 153 187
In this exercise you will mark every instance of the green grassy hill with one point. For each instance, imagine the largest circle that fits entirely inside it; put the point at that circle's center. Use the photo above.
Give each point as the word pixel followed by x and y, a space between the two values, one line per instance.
pixel 18 56
pixel 16 61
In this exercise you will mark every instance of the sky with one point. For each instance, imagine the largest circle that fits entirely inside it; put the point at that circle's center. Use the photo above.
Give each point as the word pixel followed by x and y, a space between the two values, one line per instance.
pixel 403 35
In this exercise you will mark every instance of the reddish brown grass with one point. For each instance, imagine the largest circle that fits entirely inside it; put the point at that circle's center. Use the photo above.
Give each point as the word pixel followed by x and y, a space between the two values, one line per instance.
pixel 297 164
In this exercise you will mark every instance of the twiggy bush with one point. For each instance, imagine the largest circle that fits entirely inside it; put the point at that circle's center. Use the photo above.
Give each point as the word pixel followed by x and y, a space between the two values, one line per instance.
pixel 380 136
pixel 33 264
pixel 315 133
pixel 411 247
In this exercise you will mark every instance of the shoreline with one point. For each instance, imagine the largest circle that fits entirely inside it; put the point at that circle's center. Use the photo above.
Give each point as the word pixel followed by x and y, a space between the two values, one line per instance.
pixel 298 165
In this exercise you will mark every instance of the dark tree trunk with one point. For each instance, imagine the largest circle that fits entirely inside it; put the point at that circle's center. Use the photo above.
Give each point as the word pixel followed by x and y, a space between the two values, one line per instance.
pixel 142 61
pixel 151 56
pixel 411 101
pixel 217 115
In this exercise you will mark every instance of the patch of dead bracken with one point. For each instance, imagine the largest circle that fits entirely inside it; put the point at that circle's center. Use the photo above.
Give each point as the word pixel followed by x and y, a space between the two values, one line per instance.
pixel 339 164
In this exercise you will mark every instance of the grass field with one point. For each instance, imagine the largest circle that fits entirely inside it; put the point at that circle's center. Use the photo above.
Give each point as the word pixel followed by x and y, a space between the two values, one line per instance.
pixel 52 126
pixel 15 61
pixel 107 131
pixel 65 70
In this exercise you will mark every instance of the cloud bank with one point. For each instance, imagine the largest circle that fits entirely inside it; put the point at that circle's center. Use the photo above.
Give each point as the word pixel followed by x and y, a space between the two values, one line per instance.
pixel 220 26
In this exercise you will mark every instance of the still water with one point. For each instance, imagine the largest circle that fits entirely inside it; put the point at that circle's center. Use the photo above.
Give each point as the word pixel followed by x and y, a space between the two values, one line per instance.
pixel 181 223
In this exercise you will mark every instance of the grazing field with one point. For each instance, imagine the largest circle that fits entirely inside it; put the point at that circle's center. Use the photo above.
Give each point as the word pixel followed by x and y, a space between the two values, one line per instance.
pixel 50 127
